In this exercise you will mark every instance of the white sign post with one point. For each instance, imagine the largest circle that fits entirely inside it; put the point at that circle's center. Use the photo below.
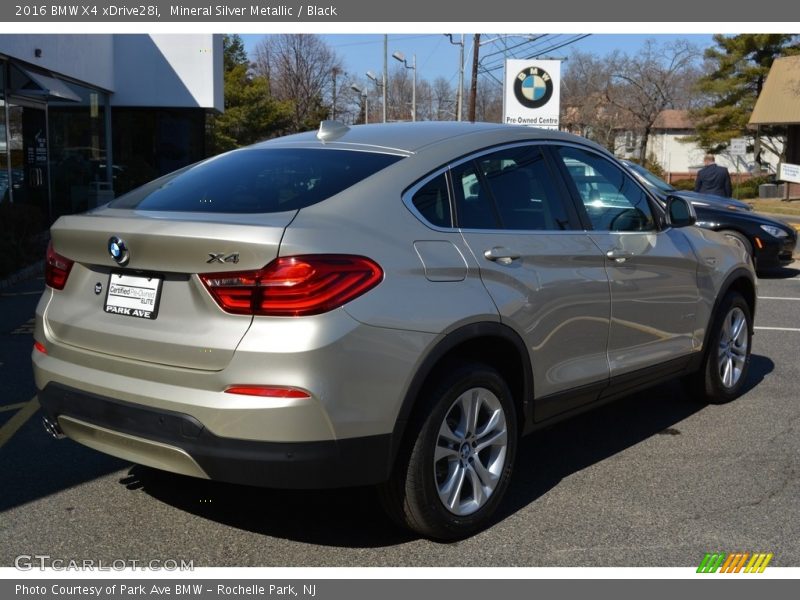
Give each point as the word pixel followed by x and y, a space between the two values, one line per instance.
pixel 532 94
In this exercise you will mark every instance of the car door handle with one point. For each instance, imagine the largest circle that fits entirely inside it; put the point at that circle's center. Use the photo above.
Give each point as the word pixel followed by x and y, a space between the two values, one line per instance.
pixel 618 255
pixel 501 255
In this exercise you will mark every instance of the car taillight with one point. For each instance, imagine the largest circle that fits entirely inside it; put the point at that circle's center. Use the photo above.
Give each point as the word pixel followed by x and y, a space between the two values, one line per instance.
pixel 294 286
pixel 56 269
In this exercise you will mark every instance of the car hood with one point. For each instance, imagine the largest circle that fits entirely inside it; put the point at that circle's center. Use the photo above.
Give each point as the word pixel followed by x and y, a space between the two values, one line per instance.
pixel 724 215
pixel 719 202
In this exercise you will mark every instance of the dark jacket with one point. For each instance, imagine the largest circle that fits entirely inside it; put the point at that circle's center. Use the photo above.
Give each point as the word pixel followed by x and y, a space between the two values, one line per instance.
pixel 713 179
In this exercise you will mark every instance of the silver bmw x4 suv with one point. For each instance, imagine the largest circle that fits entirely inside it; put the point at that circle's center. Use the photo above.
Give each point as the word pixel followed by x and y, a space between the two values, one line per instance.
pixel 384 304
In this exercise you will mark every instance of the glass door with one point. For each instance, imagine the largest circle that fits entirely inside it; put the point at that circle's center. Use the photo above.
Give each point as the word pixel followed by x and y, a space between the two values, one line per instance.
pixel 28 171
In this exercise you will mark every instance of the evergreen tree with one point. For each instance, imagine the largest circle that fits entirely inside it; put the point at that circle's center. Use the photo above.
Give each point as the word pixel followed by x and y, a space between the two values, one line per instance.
pixel 739 66
pixel 251 113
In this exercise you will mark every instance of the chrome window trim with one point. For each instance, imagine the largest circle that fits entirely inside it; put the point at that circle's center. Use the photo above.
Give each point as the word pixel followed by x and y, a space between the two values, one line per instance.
pixel 407 196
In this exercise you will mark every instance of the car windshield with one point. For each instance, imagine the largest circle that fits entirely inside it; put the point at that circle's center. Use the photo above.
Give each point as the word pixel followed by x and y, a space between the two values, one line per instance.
pixel 657 183
pixel 257 181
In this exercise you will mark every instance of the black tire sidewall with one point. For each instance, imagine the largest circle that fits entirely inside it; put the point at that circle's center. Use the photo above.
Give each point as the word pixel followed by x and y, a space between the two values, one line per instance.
pixel 425 501
pixel 715 391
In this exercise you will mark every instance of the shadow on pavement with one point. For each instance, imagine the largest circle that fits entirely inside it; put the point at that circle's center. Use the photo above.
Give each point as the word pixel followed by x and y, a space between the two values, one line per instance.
pixel 780 273
pixel 353 518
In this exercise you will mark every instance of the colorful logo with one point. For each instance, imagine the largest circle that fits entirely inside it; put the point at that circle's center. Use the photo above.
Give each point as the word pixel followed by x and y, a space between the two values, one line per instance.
pixel 735 562
pixel 533 87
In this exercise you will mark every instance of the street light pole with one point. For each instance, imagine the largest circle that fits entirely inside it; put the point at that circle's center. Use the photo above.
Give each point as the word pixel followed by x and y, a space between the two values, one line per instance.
pixel 414 89
pixel 365 98
pixel 402 58
pixel 385 70
pixel 374 78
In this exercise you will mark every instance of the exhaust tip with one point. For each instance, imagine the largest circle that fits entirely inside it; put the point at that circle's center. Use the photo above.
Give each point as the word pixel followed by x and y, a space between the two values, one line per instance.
pixel 52 428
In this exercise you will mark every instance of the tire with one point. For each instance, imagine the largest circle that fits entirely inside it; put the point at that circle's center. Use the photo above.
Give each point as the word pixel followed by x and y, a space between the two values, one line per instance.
pixel 453 470
pixel 727 358
pixel 741 240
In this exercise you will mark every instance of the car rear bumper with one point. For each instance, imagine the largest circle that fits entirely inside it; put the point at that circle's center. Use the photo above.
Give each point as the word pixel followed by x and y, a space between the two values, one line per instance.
pixel 180 443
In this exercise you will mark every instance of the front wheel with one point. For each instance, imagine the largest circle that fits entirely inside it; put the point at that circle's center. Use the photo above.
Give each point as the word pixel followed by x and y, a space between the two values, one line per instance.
pixel 727 357
pixel 452 474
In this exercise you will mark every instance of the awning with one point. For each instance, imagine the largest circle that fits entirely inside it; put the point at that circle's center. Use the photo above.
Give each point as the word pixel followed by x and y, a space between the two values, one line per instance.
pixel 779 101
pixel 44 85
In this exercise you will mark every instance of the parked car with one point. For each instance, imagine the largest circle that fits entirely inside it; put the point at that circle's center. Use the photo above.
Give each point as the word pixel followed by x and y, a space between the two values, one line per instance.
pixel 383 304
pixel 769 241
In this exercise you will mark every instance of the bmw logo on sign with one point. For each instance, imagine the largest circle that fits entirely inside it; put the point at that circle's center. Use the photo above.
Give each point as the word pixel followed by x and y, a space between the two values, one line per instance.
pixel 531 95
pixel 533 87
pixel 118 251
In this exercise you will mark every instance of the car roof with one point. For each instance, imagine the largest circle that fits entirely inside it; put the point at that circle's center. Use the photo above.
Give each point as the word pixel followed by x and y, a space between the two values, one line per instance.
pixel 412 138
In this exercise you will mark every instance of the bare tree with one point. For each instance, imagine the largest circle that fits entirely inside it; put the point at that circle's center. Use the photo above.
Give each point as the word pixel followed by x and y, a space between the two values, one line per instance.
pixel 302 69
pixel 602 96
pixel 489 101
pixel 443 97
pixel 399 95
pixel 656 78
pixel 585 84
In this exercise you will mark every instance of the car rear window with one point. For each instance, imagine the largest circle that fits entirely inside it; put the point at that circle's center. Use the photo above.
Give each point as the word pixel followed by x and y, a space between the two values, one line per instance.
pixel 257 181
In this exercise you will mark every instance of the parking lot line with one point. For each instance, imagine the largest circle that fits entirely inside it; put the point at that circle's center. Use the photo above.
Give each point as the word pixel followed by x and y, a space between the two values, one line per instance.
pixel 777 298
pixel 8 430
pixel 776 328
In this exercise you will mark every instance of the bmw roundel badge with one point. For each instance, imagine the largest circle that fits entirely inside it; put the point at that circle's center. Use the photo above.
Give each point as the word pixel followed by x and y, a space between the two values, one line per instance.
pixel 533 87
pixel 118 251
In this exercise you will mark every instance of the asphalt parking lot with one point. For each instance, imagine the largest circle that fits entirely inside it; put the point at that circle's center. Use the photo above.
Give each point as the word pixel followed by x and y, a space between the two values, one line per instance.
pixel 652 480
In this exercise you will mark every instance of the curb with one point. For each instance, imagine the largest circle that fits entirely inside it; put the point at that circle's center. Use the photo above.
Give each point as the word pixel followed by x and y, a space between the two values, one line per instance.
pixel 24 274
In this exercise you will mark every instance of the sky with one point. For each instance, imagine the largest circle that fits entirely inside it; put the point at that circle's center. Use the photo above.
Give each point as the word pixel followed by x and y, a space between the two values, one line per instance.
pixel 437 57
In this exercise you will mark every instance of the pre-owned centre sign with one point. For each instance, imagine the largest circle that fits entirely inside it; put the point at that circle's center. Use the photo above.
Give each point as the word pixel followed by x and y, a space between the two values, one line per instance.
pixel 532 93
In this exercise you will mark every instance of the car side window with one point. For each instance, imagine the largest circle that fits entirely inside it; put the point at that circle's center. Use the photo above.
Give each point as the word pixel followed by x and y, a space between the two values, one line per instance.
pixel 613 201
pixel 522 187
pixel 473 203
pixel 432 201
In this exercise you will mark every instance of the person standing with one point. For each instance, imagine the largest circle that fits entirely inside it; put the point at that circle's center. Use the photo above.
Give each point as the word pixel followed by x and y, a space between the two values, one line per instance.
pixel 713 179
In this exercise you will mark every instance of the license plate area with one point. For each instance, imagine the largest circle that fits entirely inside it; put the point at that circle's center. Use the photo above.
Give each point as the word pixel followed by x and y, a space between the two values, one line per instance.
pixel 133 295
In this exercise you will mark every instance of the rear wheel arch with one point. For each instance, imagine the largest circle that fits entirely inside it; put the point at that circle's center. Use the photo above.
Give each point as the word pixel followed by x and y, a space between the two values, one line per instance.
pixel 493 344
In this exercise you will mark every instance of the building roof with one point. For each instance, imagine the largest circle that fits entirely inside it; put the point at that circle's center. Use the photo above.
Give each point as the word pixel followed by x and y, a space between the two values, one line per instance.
pixel 779 101
pixel 673 119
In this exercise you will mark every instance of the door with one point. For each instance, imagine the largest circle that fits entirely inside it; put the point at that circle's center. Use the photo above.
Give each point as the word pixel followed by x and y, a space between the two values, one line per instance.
pixel 652 272
pixel 545 275
pixel 28 156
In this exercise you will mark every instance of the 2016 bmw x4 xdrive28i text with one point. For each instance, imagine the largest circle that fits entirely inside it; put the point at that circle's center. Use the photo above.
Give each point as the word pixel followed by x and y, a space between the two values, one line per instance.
pixel 383 304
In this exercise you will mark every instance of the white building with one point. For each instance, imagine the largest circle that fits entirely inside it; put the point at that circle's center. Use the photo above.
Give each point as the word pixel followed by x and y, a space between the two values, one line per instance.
pixel 85 116
pixel 681 160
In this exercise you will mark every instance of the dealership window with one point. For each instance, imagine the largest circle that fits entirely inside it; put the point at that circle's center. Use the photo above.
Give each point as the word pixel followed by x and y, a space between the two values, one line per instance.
pixel 78 172
pixel 150 142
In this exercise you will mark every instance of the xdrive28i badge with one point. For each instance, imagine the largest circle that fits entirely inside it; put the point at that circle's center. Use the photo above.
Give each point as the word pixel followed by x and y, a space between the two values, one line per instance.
pixel 533 87
pixel 118 250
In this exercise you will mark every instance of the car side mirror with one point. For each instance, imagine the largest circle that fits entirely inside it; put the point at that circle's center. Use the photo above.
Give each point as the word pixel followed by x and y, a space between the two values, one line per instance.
pixel 680 212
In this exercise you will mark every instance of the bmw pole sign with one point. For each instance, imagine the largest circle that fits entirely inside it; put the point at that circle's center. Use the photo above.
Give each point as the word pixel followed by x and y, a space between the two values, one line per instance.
pixel 532 93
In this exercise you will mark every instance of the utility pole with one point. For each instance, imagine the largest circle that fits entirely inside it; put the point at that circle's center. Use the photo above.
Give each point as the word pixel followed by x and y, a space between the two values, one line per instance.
pixel 473 92
pixel 460 109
